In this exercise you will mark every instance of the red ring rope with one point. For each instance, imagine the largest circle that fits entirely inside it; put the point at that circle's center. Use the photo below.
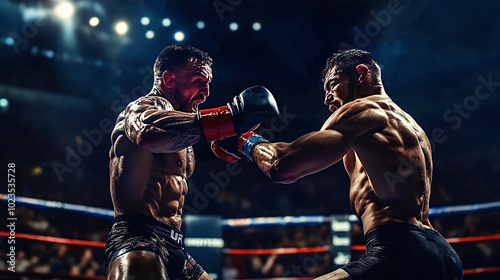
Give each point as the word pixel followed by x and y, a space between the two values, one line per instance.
pixel 38 275
pixel 58 240
pixel 481 270
pixel 278 251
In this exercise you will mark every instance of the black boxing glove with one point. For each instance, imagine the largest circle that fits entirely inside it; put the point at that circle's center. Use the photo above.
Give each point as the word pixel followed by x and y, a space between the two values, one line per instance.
pixel 252 107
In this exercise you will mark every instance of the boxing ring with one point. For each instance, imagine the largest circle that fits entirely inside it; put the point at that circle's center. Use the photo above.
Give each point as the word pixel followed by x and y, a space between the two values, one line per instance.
pixel 340 247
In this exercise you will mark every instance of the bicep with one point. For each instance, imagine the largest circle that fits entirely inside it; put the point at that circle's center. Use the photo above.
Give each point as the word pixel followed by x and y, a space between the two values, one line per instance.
pixel 157 127
pixel 313 152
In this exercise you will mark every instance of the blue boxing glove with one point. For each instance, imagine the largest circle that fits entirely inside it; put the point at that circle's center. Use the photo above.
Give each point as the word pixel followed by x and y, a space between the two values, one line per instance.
pixel 235 147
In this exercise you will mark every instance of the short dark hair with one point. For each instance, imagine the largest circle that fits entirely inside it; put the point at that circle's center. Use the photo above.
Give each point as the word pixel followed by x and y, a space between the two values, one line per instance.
pixel 347 61
pixel 176 56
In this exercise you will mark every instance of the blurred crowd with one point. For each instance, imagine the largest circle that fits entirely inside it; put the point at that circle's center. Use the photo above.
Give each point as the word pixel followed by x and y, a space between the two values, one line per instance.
pixel 42 257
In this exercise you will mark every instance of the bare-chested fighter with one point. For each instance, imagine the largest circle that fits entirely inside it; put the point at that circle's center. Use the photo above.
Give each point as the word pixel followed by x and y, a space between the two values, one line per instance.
pixel 151 158
pixel 388 158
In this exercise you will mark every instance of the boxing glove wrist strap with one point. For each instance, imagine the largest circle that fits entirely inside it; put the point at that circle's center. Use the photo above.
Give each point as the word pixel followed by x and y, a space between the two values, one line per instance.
pixel 216 123
pixel 247 141
pixel 220 153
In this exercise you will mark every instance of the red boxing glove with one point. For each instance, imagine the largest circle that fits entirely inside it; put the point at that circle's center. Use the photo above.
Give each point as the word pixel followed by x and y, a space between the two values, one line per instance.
pixel 252 107
pixel 216 123
pixel 223 153
pixel 234 148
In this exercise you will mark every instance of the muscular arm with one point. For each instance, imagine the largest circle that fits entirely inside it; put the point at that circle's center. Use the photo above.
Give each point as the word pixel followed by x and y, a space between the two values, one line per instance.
pixel 315 151
pixel 152 123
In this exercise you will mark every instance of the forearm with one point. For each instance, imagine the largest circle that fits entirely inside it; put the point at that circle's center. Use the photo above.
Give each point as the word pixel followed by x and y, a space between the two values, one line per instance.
pixel 271 158
pixel 288 162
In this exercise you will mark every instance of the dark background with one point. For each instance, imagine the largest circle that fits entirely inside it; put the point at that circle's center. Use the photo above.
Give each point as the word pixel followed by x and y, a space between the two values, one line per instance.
pixel 64 85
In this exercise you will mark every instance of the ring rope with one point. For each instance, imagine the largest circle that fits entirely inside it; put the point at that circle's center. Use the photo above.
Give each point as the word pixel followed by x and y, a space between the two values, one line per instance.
pixel 43 204
pixel 278 251
pixel 57 240
pixel 434 212
pixel 278 278
pixel 481 270
pixel 38 275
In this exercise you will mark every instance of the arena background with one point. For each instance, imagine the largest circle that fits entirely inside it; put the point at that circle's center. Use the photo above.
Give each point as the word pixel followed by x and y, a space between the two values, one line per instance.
pixel 64 81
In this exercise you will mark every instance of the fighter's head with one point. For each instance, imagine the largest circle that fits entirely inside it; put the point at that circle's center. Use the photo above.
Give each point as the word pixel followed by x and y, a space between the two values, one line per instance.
pixel 345 72
pixel 183 74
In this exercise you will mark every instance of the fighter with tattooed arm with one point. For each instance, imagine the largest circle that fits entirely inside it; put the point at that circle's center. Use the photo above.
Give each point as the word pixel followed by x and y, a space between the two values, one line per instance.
pixel 151 157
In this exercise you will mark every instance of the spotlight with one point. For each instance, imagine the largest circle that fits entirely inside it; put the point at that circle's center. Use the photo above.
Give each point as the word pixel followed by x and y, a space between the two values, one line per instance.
pixel 48 53
pixel 94 21
pixel 9 41
pixel 166 22
pixel 37 171
pixel 121 28
pixel 64 10
pixel 150 34
pixel 4 103
pixel 145 21
pixel 179 36
pixel 233 26
pixel 256 26
pixel 200 24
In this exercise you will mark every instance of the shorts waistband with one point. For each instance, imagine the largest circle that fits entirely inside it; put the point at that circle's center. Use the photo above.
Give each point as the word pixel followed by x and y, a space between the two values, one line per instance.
pixel 393 229
pixel 161 228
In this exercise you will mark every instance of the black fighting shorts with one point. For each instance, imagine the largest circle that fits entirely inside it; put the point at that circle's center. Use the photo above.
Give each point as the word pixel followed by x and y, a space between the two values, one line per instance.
pixel 403 251
pixel 137 232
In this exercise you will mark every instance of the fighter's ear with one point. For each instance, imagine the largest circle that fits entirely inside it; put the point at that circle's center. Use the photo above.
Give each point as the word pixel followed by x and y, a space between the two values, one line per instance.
pixel 167 78
pixel 362 73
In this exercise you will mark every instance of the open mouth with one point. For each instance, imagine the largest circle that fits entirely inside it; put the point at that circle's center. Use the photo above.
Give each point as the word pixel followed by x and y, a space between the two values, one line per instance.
pixel 334 106
pixel 197 101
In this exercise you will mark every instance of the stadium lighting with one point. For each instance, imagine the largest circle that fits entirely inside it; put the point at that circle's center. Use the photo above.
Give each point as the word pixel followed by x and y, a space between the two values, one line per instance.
pixel 200 24
pixel 256 26
pixel 150 34
pixel 9 41
pixel 233 26
pixel 4 103
pixel 64 10
pixel 145 21
pixel 166 22
pixel 179 36
pixel 94 21
pixel 121 28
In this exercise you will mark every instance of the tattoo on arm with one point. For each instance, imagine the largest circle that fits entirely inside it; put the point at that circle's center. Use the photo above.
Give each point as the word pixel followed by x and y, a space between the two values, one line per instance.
pixel 152 122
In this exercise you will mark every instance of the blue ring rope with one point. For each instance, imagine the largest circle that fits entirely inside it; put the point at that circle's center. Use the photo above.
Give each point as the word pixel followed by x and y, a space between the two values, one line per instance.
pixel 434 212
pixel 46 204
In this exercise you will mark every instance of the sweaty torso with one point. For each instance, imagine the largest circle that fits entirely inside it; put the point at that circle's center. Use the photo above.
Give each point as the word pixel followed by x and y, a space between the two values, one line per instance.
pixel 390 168
pixel 147 183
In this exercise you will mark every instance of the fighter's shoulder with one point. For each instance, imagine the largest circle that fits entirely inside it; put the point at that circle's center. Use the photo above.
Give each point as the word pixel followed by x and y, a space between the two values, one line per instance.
pixel 149 102
pixel 361 115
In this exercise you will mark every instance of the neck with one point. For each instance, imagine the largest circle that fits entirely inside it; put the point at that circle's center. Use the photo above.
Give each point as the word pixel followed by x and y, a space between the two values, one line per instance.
pixel 376 89
pixel 158 89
